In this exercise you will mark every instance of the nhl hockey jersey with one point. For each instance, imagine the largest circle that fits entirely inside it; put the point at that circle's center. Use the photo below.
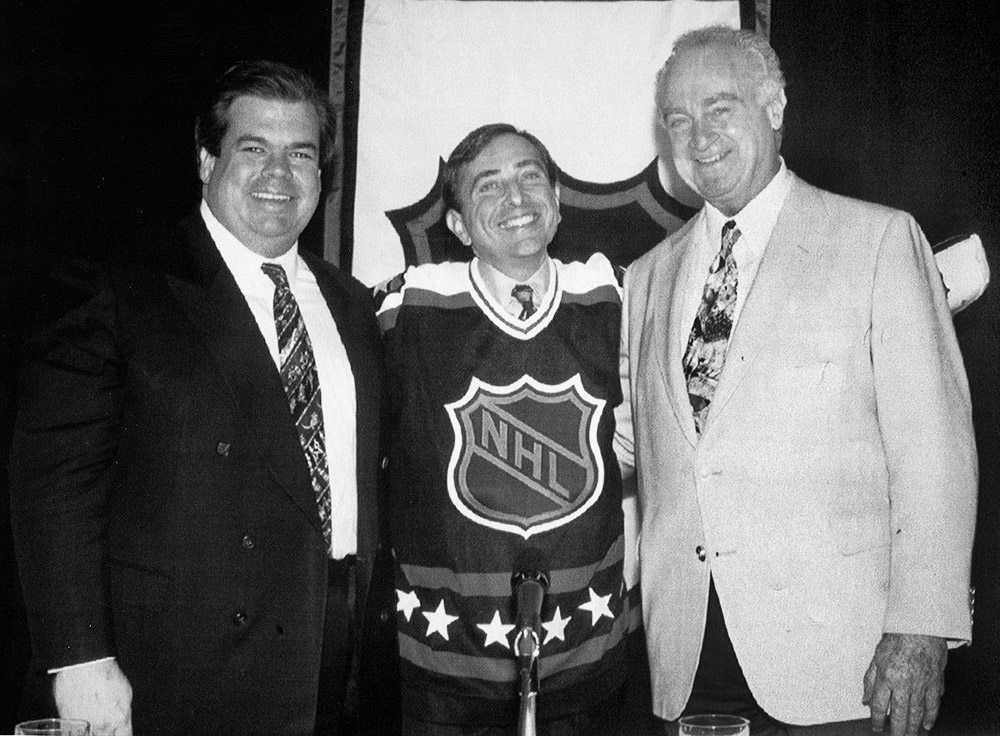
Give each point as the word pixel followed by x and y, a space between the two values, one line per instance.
pixel 502 445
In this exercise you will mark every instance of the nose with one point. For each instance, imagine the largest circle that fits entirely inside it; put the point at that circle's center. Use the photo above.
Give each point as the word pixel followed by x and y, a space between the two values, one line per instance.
pixel 514 194
pixel 702 135
pixel 277 165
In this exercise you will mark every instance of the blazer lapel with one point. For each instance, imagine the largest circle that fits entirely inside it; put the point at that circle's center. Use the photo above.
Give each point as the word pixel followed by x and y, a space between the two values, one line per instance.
pixel 669 333
pixel 786 258
pixel 219 312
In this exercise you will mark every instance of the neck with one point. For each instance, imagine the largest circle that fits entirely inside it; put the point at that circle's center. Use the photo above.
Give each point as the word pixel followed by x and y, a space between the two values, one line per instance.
pixel 493 277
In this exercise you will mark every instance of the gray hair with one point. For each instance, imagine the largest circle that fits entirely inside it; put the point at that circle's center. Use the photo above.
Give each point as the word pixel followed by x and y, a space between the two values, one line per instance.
pixel 769 78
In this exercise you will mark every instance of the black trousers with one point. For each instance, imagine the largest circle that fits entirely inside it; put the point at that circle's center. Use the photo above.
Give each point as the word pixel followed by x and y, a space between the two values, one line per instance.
pixel 603 719
pixel 334 717
pixel 721 687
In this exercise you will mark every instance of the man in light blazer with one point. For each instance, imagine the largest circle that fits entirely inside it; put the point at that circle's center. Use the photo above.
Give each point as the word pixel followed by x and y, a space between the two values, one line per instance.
pixel 175 455
pixel 801 430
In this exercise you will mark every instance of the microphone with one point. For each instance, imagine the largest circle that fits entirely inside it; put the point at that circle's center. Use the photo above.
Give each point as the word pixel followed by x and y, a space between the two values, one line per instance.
pixel 528 584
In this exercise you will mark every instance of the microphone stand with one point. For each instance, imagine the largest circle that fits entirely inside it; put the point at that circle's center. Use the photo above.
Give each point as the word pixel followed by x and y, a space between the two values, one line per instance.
pixel 528 584
pixel 527 647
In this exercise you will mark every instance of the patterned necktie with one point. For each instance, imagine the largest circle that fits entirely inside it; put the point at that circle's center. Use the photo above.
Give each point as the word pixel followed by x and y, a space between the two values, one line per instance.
pixel 301 379
pixel 706 348
pixel 523 293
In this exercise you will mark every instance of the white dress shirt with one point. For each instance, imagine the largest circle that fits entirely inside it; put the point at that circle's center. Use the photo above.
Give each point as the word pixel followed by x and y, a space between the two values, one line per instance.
pixel 500 286
pixel 336 380
pixel 755 222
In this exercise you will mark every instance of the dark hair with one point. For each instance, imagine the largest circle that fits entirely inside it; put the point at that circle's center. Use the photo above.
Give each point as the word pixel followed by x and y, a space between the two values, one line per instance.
pixel 473 144
pixel 268 80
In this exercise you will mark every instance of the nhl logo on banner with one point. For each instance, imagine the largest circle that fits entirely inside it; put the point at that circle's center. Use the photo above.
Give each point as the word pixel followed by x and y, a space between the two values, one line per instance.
pixel 526 458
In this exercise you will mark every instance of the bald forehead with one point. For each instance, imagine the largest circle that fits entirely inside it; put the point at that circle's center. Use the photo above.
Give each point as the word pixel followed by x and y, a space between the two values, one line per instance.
pixel 719 73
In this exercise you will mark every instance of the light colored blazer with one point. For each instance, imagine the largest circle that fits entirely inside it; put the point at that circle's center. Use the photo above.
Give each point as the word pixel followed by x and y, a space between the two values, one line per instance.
pixel 832 494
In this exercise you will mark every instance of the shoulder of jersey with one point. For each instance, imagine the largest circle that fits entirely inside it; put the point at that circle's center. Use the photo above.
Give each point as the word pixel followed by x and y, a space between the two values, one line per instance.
pixel 444 285
pixel 591 281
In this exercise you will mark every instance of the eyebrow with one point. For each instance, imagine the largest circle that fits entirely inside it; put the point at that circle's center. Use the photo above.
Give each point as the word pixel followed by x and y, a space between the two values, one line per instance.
pixel 523 164
pixel 722 97
pixel 707 102
pixel 297 145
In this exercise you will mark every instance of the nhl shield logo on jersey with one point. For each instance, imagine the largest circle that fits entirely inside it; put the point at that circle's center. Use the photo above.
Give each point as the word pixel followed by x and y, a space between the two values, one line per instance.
pixel 526 457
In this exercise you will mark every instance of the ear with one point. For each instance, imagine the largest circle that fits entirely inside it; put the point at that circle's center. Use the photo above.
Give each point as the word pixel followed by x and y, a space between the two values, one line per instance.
pixel 776 109
pixel 453 219
pixel 556 190
pixel 206 164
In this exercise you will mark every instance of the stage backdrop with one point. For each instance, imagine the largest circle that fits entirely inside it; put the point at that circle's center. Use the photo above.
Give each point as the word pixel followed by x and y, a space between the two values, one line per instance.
pixel 579 75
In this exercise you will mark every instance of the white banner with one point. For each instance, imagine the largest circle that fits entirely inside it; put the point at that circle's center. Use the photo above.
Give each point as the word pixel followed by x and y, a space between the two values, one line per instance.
pixel 579 75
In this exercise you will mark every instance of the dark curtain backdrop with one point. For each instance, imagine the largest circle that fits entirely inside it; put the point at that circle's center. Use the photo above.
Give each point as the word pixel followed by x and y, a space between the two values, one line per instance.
pixel 890 101
pixel 896 102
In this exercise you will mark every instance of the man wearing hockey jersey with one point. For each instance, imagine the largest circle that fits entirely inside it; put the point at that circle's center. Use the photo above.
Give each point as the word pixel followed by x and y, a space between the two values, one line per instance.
pixel 504 380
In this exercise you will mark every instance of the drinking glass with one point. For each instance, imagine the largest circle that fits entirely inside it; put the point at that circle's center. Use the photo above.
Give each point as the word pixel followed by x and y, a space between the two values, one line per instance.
pixel 714 725
pixel 53 727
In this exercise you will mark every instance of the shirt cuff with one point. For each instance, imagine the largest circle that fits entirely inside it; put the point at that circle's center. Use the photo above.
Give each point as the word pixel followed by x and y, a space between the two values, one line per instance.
pixel 56 670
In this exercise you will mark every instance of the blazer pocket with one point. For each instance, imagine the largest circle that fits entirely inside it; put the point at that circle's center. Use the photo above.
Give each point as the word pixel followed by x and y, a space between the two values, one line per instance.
pixel 136 586
pixel 853 534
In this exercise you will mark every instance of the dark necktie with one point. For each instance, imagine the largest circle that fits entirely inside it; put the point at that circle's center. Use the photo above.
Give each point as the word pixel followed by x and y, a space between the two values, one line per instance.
pixel 523 293
pixel 298 373
pixel 706 348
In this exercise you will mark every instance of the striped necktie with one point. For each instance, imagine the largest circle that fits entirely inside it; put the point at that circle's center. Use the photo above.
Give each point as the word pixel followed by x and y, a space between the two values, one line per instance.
pixel 301 380
pixel 706 349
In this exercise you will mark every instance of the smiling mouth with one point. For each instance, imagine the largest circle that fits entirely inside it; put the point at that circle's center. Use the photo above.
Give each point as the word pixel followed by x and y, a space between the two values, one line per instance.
pixel 516 222
pixel 271 197
pixel 712 159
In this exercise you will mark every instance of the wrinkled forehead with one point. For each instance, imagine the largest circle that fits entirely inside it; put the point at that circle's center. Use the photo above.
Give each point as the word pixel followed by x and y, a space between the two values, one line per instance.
pixel 505 154
pixel 711 72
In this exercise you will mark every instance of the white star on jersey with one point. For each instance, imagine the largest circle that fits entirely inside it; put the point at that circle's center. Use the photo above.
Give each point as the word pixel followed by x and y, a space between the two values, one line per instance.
pixel 438 621
pixel 556 628
pixel 496 631
pixel 598 607
pixel 406 602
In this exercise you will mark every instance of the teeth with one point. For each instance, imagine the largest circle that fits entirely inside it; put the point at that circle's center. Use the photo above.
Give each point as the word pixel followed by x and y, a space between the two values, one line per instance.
pixel 272 197
pixel 518 221
pixel 712 160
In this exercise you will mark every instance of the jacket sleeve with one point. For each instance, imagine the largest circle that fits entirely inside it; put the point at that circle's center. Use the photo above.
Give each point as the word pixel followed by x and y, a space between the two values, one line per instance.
pixel 61 464
pixel 925 420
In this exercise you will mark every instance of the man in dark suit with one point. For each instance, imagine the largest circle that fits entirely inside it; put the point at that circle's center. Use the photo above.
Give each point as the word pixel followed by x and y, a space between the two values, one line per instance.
pixel 195 462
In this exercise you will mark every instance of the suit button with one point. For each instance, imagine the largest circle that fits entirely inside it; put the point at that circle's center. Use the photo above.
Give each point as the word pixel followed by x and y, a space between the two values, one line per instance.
pixel 222 448
pixel 248 542
pixel 700 551
pixel 383 615
pixel 239 618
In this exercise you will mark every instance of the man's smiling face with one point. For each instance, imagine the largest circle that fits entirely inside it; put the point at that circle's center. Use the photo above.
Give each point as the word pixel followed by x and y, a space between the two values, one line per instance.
pixel 510 208
pixel 723 136
pixel 265 183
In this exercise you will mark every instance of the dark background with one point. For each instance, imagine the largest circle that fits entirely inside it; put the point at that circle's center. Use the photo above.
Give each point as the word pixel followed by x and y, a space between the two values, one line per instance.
pixel 889 101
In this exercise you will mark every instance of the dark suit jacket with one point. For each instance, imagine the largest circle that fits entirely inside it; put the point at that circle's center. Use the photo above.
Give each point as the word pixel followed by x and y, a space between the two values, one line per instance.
pixel 161 501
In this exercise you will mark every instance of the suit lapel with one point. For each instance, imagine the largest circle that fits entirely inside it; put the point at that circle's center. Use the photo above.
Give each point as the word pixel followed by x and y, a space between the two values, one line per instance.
pixel 219 312
pixel 788 255
pixel 669 331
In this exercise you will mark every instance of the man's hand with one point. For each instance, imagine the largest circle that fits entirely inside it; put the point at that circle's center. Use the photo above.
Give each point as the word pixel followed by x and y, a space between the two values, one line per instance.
pixel 98 693
pixel 906 679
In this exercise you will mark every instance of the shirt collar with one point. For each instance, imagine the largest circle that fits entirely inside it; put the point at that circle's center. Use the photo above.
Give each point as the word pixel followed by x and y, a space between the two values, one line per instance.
pixel 241 261
pixel 500 285
pixel 756 220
